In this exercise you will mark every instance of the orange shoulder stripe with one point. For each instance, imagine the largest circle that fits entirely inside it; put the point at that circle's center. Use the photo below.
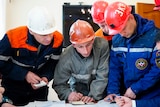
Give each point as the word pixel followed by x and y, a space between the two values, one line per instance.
pixel 58 39
pixel 108 37
pixel 18 37
pixel 99 33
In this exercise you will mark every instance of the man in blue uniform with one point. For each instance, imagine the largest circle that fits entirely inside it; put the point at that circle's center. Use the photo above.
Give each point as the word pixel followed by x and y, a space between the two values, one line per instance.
pixel 28 56
pixel 154 102
pixel 133 54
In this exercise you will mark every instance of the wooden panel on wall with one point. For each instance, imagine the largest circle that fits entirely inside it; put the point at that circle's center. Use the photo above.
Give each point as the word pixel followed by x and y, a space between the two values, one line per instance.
pixel 146 11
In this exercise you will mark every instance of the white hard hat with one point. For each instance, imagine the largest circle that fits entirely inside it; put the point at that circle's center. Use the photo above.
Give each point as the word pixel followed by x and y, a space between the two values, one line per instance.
pixel 40 21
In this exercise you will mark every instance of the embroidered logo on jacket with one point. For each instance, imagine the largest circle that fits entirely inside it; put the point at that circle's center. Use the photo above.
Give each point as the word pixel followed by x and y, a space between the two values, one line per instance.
pixel 157 60
pixel 141 63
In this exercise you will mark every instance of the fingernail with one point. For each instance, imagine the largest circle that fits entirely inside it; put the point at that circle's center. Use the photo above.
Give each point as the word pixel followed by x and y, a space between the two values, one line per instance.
pixel 108 99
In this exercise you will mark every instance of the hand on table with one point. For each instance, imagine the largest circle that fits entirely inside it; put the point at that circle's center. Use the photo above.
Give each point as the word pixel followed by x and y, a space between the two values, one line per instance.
pixel 87 99
pixel 130 94
pixel 74 96
pixel 110 98
pixel 122 101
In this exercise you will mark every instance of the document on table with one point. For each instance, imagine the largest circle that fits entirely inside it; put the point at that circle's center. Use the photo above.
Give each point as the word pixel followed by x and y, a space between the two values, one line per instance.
pixel 45 104
pixel 103 103
pixel 100 103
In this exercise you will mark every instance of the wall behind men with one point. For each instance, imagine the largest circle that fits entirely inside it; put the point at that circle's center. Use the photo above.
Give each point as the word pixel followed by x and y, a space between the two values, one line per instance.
pixel 16 15
pixel 16 10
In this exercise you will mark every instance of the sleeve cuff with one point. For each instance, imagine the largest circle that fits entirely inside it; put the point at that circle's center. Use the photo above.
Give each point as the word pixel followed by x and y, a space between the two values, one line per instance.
pixel 133 103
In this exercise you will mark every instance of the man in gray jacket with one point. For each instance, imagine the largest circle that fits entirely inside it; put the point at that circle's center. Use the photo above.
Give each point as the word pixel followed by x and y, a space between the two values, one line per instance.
pixel 82 71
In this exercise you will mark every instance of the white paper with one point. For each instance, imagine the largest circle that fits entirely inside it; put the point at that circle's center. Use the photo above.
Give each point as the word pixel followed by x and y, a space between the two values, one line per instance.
pixel 101 103
pixel 41 84
pixel 45 104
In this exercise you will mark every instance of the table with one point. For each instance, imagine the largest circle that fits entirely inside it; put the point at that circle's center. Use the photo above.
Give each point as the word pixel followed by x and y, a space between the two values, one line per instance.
pixel 101 103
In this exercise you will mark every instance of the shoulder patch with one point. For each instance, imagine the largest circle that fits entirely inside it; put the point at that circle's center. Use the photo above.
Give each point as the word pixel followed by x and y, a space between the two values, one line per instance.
pixel 157 60
pixel 18 37
pixel 141 63
pixel 158 53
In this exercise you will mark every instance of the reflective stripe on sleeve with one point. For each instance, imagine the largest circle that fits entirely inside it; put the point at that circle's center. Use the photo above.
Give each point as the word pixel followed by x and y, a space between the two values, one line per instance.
pixel 85 76
pixel 52 56
pixel 124 49
pixel 6 58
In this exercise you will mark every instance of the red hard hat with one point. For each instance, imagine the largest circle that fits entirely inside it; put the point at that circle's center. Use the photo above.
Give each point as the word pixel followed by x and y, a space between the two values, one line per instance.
pixel 116 16
pixel 157 5
pixel 97 11
pixel 80 32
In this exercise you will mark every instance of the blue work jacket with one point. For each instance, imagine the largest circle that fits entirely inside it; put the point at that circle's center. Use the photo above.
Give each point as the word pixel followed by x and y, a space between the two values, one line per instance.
pixel 134 62
pixel 20 53
pixel 155 102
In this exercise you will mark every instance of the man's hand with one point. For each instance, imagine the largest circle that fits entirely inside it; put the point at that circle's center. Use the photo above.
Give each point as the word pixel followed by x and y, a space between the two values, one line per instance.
pixel 1 93
pixel 1 97
pixel 7 105
pixel 2 90
pixel 130 94
pixel 45 80
pixel 110 98
pixel 74 96
pixel 32 78
pixel 122 101
pixel 87 99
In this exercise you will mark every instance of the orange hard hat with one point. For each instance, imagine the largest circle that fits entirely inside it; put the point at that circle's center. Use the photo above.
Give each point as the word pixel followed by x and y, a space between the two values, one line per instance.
pixel 97 11
pixel 80 32
pixel 157 5
pixel 116 16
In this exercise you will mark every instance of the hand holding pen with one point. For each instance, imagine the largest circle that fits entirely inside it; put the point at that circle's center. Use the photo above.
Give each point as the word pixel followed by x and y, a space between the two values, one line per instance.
pixel 110 98
pixel 123 101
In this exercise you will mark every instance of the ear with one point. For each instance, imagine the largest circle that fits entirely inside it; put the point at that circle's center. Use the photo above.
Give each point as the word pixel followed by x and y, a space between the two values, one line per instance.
pixel 131 16
pixel 73 45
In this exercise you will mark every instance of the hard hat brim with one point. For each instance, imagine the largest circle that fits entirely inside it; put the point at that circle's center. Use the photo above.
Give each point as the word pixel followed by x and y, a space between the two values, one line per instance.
pixel 118 29
pixel 82 41
pixel 45 32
